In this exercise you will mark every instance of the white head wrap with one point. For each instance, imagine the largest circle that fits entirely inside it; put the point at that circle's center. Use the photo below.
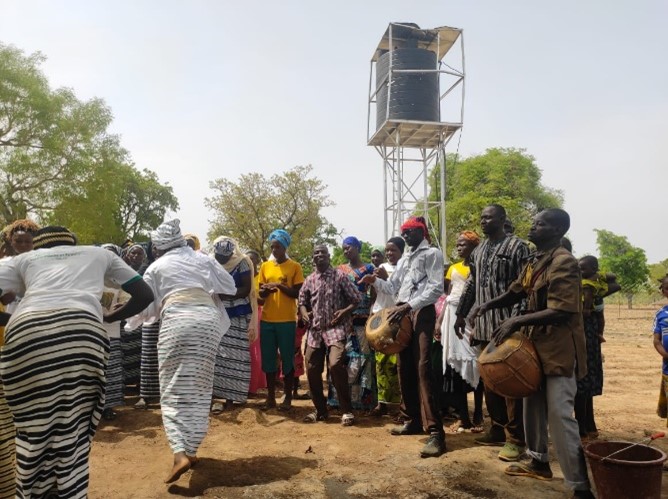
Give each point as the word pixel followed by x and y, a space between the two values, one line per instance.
pixel 168 235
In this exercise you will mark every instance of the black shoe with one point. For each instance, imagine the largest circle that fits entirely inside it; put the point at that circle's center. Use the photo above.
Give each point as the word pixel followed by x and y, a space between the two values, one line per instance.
pixel 407 429
pixel 434 447
pixel 583 494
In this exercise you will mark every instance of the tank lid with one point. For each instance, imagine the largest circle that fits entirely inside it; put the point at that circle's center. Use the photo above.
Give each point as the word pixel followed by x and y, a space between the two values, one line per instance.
pixel 438 40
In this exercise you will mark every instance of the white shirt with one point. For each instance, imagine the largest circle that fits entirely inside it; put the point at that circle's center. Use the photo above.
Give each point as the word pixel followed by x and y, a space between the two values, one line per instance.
pixel 418 279
pixel 63 277
pixel 384 300
pixel 180 269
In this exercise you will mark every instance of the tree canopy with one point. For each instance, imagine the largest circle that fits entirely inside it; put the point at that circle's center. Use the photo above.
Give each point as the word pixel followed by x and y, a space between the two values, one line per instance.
pixel 629 263
pixel 506 176
pixel 59 163
pixel 252 207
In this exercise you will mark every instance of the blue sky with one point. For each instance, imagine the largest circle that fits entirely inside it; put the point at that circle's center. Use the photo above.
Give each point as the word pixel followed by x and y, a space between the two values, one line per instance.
pixel 209 89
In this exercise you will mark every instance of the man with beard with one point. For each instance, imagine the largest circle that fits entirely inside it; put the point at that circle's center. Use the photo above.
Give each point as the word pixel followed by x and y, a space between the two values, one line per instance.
pixel 553 320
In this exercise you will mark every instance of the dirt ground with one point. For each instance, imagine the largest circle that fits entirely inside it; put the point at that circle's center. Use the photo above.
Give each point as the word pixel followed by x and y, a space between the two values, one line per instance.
pixel 248 453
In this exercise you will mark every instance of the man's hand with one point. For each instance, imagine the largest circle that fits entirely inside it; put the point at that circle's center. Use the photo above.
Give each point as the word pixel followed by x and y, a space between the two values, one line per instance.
pixel 478 311
pixel 397 313
pixel 368 279
pixel 505 329
pixel 338 316
pixel 460 326
pixel 304 316
pixel 381 273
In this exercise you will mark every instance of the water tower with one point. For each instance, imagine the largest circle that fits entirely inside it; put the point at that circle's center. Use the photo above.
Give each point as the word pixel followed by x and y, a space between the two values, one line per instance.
pixel 416 85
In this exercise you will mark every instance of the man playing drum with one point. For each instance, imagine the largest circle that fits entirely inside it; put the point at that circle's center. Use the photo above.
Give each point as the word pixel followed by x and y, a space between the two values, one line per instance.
pixel 553 320
pixel 326 302
pixel 417 283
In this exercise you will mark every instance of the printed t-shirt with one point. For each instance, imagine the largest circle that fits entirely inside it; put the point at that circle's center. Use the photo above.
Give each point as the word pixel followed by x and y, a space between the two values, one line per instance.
pixel 63 277
pixel 279 307
pixel 661 327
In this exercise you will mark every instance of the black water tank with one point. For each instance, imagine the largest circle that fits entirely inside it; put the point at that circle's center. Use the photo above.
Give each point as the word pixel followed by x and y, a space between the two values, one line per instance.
pixel 414 95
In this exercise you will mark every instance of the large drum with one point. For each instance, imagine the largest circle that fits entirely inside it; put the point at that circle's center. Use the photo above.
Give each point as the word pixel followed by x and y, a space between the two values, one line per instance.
pixel 385 337
pixel 513 368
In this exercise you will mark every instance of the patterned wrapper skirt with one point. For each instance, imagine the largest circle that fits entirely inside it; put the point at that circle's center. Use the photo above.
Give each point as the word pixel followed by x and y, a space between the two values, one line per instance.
pixel 231 380
pixel 360 364
pixel 53 368
pixel 114 394
pixel 149 386
pixel 189 339
pixel 131 341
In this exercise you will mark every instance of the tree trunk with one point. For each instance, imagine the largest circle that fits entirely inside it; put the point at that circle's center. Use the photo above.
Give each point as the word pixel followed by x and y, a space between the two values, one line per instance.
pixel 629 300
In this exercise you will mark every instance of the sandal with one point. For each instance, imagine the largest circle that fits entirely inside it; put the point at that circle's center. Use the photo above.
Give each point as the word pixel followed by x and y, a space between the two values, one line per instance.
pixel 217 408
pixel 348 419
pixel 314 417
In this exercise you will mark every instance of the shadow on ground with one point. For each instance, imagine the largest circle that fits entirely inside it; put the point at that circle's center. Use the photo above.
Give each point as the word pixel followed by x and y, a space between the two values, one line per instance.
pixel 212 473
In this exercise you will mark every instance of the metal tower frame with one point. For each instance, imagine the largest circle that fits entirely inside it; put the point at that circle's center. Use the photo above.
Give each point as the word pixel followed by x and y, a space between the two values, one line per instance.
pixel 410 148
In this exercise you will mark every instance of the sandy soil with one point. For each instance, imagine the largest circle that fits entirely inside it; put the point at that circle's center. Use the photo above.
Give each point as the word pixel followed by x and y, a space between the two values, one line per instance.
pixel 249 453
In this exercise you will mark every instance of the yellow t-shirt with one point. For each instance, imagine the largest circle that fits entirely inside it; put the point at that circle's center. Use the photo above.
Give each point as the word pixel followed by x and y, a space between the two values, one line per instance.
pixel 279 307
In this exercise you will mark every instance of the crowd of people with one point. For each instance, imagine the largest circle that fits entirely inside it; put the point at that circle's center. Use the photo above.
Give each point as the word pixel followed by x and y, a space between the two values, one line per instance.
pixel 197 333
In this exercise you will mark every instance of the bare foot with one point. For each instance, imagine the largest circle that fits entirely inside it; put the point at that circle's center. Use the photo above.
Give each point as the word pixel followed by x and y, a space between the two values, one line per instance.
pixel 181 465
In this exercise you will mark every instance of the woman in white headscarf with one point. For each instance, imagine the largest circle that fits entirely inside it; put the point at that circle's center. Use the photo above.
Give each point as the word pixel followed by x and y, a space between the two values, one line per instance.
pixel 231 380
pixel 184 283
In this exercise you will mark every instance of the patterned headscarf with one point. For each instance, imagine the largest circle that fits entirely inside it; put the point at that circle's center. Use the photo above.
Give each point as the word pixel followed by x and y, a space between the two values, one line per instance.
pixel 354 242
pixel 415 223
pixel 116 250
pixel 52 236
pixel 168 235
pixel 469 235
pixel 378 249
pixel 194 239
pixel 281 236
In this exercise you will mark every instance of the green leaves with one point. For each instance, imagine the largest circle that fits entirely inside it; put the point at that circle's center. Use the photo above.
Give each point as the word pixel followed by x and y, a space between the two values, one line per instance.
pixel 249 209
pixel 619 256
pixel 505 176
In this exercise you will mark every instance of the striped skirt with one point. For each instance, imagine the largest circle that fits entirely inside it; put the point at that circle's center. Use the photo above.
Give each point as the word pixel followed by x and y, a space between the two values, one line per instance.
pixel 131 341
pixel 231 380
pixel 189 339
pixel 114 394
pixel 53 366
pixel 150 384
pixel 7 453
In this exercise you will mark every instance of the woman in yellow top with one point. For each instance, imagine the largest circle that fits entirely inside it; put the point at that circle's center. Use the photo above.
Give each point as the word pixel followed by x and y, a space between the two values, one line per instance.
pixel 280 281
pixel 460 367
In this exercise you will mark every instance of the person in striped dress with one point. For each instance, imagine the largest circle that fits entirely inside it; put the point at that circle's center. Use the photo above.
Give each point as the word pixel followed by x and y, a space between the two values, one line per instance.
pixel 114 373
pixel 184 283
pixel 231 380
pixel 58 324
pixel 495 264
pixel 134 256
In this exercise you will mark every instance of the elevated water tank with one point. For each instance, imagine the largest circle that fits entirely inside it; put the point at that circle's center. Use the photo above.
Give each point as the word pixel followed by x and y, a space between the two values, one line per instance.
pixel 413 96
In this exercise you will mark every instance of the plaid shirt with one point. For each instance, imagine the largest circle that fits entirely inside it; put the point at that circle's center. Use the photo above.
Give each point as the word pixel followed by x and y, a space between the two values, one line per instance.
pixel 324 293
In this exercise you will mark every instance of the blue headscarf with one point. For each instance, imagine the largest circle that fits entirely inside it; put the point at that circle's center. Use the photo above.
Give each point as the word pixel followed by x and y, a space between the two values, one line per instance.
pixel 281 236
pixel 353 241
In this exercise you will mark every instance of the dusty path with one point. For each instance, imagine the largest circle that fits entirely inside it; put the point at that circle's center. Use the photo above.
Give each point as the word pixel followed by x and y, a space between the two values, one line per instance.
pixel 271 455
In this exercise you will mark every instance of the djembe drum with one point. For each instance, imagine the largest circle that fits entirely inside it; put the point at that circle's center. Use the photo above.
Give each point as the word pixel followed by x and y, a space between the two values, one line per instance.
pixel 513 368
pixel 385 337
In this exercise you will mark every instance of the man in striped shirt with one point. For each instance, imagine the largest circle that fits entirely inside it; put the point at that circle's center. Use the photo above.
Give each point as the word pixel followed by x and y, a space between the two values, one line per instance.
pixel 496 263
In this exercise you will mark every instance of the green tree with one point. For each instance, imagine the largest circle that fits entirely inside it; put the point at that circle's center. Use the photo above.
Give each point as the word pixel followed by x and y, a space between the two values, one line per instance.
pixel 59 164
pixel 252 207
pixel 629 263
pixel 658 271
pixel 116 202
pixel 506 176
